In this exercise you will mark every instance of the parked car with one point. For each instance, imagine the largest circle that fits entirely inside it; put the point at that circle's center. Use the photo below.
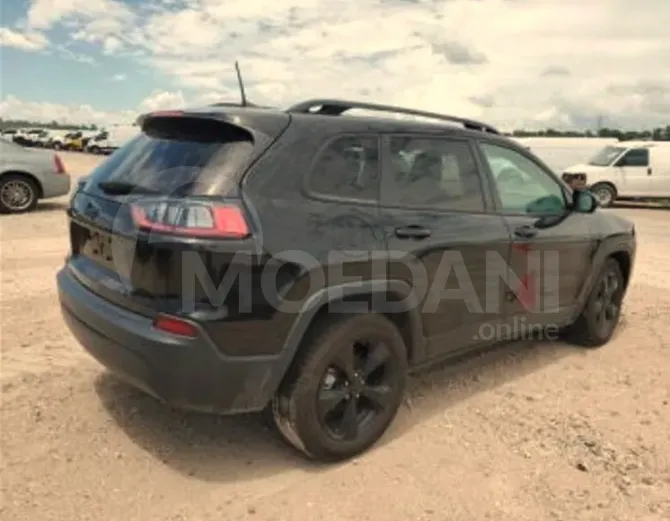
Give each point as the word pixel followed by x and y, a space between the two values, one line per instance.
pixel 26 176
pixel 74 141
pixel 28 138
pixel 209 253
pixel 109 140
pixel 57 139
pixel 8 134
pixel 627 170
pixel 42 138
pixel 21 136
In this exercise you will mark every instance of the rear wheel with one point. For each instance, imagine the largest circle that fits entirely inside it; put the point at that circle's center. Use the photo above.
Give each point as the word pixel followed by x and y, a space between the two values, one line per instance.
pixel 604 193
pixel 18 194
pixel 600 317
pixel 345 389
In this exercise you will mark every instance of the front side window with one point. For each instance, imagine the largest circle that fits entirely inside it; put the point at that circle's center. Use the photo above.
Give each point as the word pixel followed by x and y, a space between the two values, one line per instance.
pixel 432 173
pixel 523 186
pixel 606 156
pixel 635 157
pixel 348 168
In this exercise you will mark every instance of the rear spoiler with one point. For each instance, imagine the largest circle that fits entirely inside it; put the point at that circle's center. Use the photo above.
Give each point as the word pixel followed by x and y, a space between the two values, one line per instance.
pixel 263 125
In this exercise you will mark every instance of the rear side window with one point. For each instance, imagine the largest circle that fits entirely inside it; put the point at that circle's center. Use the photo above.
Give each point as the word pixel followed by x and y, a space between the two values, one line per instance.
pixel 178 158
pixel 432 173
pixel 348 168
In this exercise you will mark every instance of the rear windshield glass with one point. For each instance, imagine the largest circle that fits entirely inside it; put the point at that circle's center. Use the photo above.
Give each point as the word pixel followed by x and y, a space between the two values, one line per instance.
pixel 177 158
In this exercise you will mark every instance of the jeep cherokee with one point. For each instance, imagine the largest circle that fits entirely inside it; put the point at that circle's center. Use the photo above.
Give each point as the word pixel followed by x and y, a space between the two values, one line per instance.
pixel 231 259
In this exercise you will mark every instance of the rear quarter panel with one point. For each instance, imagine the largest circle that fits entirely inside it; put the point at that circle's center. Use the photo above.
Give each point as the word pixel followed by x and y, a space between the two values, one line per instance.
pixel 298 229
pixel 39 165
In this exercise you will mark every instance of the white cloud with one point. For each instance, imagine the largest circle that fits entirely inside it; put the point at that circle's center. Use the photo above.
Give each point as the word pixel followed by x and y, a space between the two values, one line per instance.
pixel 119 77
pixel 44 14
pixel 13 107
pixel 33 41
pixel 160 99
pixel 111 44
pixel 512 62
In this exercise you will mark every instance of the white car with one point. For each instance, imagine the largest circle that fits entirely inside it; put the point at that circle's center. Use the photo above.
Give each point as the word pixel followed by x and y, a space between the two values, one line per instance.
pixel 627 170
pixel 112 138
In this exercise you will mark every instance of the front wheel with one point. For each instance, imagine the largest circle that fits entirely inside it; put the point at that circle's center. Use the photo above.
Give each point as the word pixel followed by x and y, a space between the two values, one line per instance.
pixel 600 316
pixel 604 193
pixel 344 389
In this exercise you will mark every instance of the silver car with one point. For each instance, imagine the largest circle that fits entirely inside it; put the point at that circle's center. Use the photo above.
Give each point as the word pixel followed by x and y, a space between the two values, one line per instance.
pixel 28 175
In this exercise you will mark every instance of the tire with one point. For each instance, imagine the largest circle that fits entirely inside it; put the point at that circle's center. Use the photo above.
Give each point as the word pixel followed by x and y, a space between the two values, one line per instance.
pixel 94 150
pixel 18 194
pixel 589 330
pixel 315 381
pixel 604 193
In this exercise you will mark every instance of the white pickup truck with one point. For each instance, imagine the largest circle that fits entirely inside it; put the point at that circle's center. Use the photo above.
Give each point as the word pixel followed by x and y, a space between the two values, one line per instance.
pixel 626 170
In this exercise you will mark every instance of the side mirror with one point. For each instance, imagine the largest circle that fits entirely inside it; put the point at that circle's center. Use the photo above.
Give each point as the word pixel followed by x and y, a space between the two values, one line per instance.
pixel 584 201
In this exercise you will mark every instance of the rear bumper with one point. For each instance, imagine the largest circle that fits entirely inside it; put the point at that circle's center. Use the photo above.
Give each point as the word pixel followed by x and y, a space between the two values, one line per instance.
pixel 187 373
pixel 56 185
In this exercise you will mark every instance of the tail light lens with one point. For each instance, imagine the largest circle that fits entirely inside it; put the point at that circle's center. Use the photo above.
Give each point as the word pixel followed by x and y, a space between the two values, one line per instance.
pixel 192 219
pixel 59 166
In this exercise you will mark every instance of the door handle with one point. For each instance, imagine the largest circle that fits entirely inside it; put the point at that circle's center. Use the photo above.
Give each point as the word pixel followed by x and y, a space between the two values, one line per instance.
pixel 413 231
pixel 649 171
pixel 525 232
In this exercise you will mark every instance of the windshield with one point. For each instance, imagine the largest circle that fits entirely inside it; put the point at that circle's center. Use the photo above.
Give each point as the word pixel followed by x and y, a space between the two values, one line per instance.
pixel 606 156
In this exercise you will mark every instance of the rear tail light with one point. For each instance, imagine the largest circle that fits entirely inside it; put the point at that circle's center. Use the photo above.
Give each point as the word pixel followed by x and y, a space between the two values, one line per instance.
pixel 192 219
pixel 175 326
pixel 59 167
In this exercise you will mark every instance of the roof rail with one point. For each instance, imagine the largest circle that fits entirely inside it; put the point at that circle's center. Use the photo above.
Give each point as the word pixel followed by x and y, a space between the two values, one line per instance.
pixel 336 107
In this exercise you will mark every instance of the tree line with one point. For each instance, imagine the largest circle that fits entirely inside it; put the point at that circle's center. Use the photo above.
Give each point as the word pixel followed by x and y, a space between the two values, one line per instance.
pixel 655 134
pixel 6 124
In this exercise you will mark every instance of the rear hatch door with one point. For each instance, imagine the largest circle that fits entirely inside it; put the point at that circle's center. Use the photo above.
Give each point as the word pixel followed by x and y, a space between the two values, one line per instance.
pixel 166 206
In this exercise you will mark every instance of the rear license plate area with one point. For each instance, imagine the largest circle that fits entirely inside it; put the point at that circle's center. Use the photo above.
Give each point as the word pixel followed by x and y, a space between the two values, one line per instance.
pixel 98 247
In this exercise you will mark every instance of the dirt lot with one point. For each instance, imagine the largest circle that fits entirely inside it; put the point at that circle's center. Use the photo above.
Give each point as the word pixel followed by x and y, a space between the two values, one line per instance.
pixel 528 432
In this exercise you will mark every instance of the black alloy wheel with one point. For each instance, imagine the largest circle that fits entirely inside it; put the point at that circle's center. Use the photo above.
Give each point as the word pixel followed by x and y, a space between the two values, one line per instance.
pixel 345 387
pixel 607 302
pixel 600 316
pixel 356 389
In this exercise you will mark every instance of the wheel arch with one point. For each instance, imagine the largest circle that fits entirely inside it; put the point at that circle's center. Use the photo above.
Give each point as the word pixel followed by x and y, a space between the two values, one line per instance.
pixel 391 298
pixel 624 258
pixel 622 252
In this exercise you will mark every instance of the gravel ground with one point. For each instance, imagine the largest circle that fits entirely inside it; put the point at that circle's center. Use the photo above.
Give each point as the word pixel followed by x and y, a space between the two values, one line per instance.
pixel 525 432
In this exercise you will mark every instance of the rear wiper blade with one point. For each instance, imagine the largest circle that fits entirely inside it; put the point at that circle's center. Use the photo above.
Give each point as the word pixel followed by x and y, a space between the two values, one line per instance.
pixel 124 188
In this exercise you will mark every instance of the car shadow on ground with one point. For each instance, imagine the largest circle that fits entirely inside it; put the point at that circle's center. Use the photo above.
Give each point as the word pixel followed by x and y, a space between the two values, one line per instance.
pixel 434 391
pixel 204 446
pixel 50 206
pixel 630 205
pixel 245 447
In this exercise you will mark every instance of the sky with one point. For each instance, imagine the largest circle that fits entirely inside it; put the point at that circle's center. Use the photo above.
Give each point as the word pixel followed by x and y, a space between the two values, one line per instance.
pixel 513 63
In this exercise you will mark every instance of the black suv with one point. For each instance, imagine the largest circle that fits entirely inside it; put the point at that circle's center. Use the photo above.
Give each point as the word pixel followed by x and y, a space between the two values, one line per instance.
pixel 235 258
